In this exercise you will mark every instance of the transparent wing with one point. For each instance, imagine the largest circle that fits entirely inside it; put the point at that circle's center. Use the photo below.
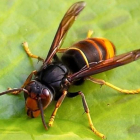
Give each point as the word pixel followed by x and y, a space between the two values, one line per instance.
pixel 106 65
pixel 63 28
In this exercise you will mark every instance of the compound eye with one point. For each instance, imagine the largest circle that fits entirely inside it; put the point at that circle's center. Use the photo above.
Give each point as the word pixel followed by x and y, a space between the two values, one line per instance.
pixel 45 93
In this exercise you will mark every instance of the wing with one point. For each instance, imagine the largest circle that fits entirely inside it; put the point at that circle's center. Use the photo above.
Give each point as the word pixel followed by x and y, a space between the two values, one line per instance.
pixel 106 65
pixel 63 28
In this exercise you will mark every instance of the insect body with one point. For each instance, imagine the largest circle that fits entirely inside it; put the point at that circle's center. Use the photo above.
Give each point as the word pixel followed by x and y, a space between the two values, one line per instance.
pixel 79 62
pixel 91 50
pixel 45 86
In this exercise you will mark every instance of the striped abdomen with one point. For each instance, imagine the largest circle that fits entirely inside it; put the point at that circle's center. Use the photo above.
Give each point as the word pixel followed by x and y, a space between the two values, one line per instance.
pixel 86 51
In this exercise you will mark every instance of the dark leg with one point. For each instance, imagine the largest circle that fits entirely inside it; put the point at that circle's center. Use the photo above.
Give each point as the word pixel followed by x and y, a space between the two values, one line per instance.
pixel 58 104
pixel 85 105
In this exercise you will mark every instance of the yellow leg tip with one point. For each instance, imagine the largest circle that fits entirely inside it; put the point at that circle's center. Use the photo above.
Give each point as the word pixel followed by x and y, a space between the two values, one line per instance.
pixel 103 136
pixel 98 133
pixel 25 44
pixel 51 121
pixel 26 48
pixel 89 34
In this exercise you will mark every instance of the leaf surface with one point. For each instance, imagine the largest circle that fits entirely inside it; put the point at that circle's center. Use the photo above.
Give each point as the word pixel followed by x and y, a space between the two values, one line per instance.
pixel 114 114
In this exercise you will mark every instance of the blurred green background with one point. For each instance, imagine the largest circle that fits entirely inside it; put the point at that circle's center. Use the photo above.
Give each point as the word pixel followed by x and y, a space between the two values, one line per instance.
pixel 114 114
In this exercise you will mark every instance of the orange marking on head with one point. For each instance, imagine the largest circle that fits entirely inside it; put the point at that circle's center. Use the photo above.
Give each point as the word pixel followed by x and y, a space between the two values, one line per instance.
pixel 32 108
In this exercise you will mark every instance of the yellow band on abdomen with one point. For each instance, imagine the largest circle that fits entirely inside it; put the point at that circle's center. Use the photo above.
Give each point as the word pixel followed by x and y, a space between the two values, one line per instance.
pixel 109 48
pixel 85 58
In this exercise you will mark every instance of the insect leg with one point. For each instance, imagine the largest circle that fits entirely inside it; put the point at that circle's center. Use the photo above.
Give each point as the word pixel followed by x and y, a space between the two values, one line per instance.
pixel 85 105
pixel 25 83
pixel 102 82
pixel 26 48
pixel 89 34
pixel 58 104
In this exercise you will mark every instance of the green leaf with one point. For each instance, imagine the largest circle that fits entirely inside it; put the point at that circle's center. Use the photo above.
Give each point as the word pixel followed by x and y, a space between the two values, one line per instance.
pixel 115 115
